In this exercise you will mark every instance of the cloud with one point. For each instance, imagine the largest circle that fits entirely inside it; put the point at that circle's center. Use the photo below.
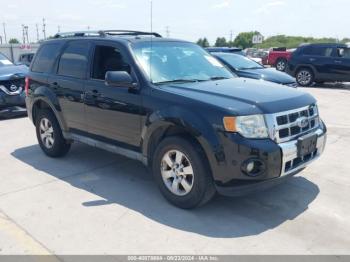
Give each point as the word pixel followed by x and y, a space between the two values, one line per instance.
pixel 266 8
pixel 223 4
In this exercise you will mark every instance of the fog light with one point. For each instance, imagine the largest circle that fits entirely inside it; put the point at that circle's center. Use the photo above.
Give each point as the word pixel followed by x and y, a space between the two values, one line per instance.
pixel 253 167
pixel 250 166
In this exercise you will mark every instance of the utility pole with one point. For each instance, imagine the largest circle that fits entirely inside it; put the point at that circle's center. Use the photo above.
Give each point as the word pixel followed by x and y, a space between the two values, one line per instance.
pixel 5 37
pixel 26 33
pixel 23 35
pixel 231 36
pixel 88 28
pixel 37 33
pixel 58 29
pixel 44 28
pixel 0 40
pixel 167 31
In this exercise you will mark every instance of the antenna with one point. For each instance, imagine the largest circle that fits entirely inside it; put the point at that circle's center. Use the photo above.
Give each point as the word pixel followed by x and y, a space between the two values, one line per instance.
pixel 151 53
pixel 167 31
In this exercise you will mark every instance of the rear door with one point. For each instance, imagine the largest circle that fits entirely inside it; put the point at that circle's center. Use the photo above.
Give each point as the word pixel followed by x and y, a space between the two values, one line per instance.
pixel 68 83
pixel 342 64
pixel 320 57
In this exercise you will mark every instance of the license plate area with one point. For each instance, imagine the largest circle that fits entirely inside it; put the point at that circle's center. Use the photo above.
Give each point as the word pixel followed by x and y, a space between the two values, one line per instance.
pixel 307 145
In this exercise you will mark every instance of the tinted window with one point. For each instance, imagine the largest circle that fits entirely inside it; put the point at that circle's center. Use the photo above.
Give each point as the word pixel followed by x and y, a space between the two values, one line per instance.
pixel 46 57
pixel 74 59
pixel 318 51
pixel 107 58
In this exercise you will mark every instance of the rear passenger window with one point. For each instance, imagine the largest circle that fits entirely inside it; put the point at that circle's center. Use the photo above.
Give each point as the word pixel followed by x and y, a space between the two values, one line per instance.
pixel 319 51
pixel 46 57
pixel 74 60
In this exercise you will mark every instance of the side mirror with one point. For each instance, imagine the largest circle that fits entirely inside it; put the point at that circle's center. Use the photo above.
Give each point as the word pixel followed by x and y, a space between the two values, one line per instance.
pixel 119 79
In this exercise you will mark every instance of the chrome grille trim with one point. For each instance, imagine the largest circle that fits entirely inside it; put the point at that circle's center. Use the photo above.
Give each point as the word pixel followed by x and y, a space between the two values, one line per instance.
pixel 275 128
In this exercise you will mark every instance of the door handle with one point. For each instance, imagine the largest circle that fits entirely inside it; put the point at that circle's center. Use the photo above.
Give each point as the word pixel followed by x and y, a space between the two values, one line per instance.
pixel 337 61
pixel 93 93
pixel 54 85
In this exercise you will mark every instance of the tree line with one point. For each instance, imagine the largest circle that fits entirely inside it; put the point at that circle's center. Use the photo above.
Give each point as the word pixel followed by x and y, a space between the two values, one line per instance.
pixel 245 40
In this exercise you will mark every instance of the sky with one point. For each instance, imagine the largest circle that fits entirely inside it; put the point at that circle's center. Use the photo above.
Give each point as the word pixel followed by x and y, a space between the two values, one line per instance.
pixel 188 20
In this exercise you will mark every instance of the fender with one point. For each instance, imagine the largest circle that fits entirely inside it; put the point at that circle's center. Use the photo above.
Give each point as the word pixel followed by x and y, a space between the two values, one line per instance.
pixel 43 93
pixel 193 123
pixel 305 65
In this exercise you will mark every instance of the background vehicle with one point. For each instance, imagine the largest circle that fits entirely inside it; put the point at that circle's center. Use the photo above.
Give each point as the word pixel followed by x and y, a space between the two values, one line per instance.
pixel 171 105
pixel 12 96
pixel 245 67
pixel 320 63
pixel 26 59
pixel 278 58
pixel 234 50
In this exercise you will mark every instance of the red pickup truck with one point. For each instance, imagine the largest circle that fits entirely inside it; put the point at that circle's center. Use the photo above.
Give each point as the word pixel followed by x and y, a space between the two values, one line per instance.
pixel 278 57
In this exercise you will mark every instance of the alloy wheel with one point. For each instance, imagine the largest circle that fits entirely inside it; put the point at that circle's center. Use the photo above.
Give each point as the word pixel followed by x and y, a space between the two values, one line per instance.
pixel 46 133
pixel 177 172
pixel 304 77
pixel 281 66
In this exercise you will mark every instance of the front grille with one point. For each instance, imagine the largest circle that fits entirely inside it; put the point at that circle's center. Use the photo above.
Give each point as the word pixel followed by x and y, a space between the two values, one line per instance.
pixel 290 124
pixel 19 83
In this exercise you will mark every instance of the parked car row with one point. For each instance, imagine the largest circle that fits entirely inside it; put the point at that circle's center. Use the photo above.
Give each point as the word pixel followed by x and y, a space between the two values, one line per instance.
pixel 174 107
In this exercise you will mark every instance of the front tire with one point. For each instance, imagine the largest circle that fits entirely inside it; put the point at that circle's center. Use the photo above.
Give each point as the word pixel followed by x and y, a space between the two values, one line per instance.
pixel 49 135
pixel 305 77
pixel 182 173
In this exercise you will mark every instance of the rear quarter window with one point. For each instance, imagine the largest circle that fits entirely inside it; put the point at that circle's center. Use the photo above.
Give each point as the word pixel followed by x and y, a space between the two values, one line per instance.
pixel 46 57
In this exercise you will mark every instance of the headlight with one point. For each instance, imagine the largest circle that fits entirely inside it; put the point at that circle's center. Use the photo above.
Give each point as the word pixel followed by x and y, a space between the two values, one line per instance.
pixel 252 126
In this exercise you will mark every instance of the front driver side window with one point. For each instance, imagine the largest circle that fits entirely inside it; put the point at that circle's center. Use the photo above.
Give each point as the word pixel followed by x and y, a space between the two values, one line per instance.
pixel 107 58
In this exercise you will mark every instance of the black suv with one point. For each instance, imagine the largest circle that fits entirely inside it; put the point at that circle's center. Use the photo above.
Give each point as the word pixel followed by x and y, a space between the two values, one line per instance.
pixel 171 105
pixel 320 63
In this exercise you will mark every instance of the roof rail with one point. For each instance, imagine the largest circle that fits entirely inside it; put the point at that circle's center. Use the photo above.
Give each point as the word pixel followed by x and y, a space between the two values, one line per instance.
pixel 103 33
pixel 129 33
pixel 79 34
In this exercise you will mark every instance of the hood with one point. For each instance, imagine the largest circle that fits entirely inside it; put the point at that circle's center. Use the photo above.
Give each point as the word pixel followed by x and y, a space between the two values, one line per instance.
pixel 243 96
pixel 13 72
pixel 267 74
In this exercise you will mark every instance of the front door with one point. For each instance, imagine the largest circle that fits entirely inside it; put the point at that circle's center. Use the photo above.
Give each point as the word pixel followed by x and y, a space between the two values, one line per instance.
pixel 342 64
pixel 113 113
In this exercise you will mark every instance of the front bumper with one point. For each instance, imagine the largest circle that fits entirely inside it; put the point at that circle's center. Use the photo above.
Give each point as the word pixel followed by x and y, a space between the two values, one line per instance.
pixel 10 99
pixel 288 162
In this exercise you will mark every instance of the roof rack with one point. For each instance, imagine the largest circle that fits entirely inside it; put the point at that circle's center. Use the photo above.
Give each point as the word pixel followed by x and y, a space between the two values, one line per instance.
pixel 79 34
pixel 129 33
pixel 103 33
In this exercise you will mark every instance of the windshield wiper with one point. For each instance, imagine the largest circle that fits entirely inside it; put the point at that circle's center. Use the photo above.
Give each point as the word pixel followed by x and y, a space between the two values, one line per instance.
pixel 178 81
pixel 218 78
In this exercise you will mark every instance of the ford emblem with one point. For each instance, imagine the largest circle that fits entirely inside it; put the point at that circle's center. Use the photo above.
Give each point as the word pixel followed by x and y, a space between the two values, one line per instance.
pixel 302 122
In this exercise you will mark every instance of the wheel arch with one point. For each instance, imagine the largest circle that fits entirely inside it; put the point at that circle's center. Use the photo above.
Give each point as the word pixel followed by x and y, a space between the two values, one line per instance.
pixel 188 125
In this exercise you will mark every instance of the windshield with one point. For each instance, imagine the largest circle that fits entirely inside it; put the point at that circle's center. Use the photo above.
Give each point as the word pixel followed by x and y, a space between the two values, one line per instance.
pixel 178 62
pixel 239 62
pixel 4 61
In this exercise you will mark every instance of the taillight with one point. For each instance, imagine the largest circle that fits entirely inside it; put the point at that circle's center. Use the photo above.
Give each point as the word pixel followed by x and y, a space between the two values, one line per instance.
pixel 26 87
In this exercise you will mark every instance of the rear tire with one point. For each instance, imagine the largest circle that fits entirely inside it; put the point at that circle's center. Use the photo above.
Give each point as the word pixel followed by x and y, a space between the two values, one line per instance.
pixel 182 173
pixel 281 64
pixel 305 77
pixel 49 135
